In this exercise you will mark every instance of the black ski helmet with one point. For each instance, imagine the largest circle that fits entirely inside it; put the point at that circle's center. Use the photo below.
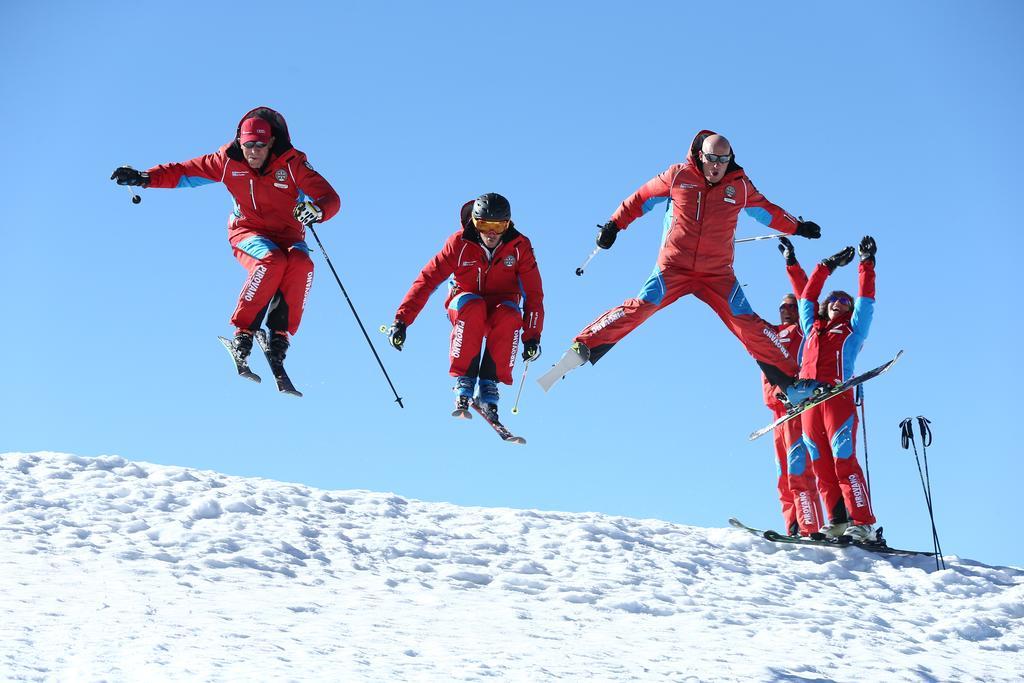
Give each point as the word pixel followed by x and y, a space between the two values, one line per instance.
pixel 492 207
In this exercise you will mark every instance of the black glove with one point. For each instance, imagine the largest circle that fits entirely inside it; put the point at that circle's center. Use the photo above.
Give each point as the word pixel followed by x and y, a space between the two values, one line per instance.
pixel 868 248
pixel 396 335
pixel 606 238
pixel 840 258
pixel 808 229
pixel 126 175
pixel 531 349
pixel 786 247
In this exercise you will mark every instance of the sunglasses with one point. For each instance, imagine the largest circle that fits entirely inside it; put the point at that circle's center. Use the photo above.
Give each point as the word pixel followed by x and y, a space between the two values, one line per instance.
pixel 844 300
pixel 251 144
pixel 787 307
pixel 717 158
pixel 496 227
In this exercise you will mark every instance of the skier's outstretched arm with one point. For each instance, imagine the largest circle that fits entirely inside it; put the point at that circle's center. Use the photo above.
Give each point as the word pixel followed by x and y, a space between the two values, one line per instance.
pixel 197 172
pixel 757 206
pixel 864 305
pixel 437 269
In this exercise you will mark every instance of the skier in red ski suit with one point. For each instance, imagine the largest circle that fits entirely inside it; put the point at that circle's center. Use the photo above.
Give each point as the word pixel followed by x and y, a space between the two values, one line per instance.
pixel 801 508
pixel 497 291
pixel 704 196
pixel 832 340
pixel 276 195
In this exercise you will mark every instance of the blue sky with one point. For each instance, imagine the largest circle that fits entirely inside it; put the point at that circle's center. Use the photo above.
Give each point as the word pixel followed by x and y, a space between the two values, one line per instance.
pixel 894 120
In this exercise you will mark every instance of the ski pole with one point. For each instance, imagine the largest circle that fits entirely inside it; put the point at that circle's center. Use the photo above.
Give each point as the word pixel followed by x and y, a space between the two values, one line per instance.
pixel 859 401
pixel 762 237
pixel 398 399
pixel 522 383
pixel 926 440
pixel 579 271
pixel 907 439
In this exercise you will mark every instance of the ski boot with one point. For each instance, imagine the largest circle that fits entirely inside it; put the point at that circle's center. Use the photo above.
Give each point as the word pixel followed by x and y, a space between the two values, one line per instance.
pixel 861 533
pixel 487 396
pixel 241 346
pixel 278 348
pixel 464 388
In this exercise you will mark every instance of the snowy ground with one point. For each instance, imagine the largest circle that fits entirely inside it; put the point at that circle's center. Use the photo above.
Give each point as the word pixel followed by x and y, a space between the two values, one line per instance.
pixel 121 570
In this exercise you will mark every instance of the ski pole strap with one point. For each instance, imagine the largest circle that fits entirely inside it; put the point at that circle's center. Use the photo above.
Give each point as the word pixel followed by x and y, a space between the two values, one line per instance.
pixel 907 433
pixel 926 431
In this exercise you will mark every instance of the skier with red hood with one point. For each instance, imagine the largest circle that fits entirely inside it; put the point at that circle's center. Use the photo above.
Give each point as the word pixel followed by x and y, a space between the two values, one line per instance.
pixel 277 194
pixel 704 196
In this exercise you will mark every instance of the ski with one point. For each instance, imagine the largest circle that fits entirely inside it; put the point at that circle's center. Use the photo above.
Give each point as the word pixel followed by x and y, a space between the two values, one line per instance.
pixel 284 383
pixel 838 389
pixel 242 366
pixel 492 419
pixel 879 546
pixel 569 361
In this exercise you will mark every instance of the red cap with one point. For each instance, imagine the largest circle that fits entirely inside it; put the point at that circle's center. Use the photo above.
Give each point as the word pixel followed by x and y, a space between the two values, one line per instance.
pixel 255 129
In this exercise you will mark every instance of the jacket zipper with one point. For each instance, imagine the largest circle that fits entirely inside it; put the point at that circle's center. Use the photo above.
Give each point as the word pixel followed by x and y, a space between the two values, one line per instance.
pixel 697 218
pixel 252 194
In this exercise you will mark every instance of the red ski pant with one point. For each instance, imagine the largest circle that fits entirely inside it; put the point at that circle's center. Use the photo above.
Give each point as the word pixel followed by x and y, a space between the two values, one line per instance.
pixel 830 432
pixel 277 285
pixel 796 483
pixel 474 318
pixel 721 292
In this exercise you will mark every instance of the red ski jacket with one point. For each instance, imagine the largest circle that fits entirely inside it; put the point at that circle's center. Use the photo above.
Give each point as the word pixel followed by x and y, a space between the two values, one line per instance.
pixel 264 198
pixel 790 336
pixel 831 346
pixel 509 274
pixel 701 226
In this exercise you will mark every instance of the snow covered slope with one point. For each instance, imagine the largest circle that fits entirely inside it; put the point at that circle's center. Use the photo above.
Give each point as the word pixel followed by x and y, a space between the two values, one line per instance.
pixel 131 571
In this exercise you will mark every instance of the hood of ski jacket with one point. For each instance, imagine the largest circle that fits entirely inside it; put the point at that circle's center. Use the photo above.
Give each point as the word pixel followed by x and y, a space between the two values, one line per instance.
pixel 264 198
pixel 831 346
pixel 508 274
pixel 700 217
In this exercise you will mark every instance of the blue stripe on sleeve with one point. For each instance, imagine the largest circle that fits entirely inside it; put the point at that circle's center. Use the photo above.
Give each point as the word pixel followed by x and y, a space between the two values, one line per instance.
pixel 652 202
pixel 806 309
pixel 193 181
pixel 758 214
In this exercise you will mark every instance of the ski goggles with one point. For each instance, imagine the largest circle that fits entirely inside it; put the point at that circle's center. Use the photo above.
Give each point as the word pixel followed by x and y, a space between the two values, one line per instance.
pixel 716 158
pixel 254 143
pixel 840 299
pixel 495 227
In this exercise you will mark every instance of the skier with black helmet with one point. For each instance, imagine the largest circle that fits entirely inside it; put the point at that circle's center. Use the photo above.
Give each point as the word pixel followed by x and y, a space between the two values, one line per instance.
pixel 495 293
pixel 277 194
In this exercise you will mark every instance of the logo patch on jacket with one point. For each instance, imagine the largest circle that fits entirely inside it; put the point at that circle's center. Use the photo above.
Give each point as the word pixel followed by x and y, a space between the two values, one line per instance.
pixel 235 174
pixel 730 194
pixel 469 263
pixel 280 175
pixel 510 260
